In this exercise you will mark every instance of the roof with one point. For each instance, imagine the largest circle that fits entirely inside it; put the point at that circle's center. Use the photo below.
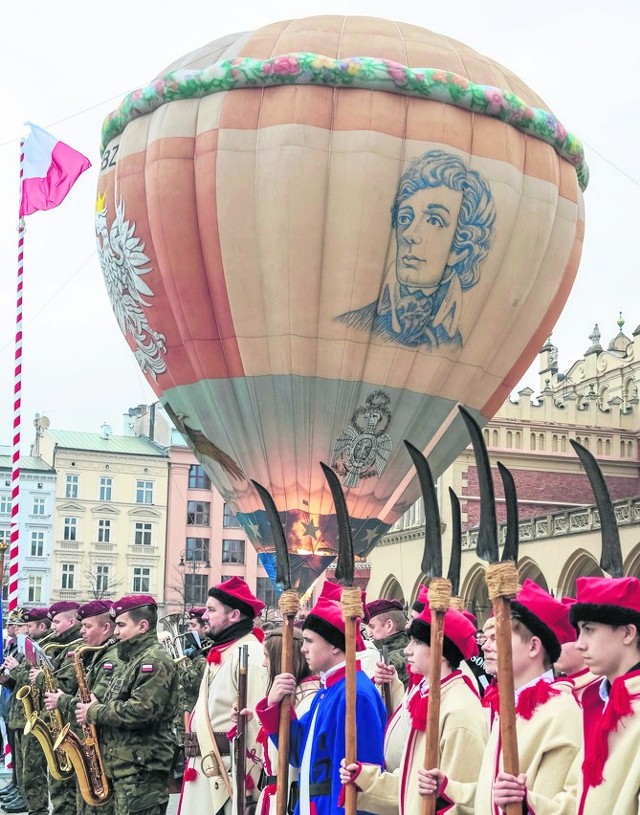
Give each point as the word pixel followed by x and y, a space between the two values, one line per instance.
pixel 129 445
pixel 26 463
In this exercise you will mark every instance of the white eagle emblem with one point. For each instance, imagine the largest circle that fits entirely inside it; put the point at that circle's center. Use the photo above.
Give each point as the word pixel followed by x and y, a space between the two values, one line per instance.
pixel 363 448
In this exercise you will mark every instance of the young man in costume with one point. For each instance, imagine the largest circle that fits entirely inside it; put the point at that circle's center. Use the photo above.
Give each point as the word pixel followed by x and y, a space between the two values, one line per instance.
pixel 318 738
pixel 462 726
pixel 135 713
pixel 208 784
pixel 607 614
pixel 548 717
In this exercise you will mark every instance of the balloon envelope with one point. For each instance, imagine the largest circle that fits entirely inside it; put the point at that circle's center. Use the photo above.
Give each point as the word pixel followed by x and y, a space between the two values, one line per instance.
pixel 318 239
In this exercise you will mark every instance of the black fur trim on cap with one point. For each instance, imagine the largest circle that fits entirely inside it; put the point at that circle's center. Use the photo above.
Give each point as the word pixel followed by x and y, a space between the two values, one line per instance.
pixel 326 631
pixel 538 629
pixel 421 631
pixel 602 613
pixel 418 606
pixel 232 602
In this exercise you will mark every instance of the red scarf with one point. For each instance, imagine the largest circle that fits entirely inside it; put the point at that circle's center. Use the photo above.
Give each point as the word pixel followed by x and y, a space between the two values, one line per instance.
pixel 597 747
pixel 529 699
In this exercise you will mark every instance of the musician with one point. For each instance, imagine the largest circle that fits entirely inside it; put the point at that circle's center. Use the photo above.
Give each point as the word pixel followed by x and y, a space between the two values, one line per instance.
pixel 462 726
pixel 318 737
pixel 65 629
pixel 387 626
pixel 96 629
pixel 14 626
pixel 135 714
pixel 31 764
pixel 208 782
pixel 607 613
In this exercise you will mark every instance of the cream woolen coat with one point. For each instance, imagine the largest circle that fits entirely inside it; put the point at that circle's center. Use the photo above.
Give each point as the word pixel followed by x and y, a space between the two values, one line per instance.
pixel 463 733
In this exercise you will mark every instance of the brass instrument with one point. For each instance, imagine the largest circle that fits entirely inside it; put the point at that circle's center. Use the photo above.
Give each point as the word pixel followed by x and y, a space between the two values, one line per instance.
pixel 46 731
pixel 83 751
pixel 173 646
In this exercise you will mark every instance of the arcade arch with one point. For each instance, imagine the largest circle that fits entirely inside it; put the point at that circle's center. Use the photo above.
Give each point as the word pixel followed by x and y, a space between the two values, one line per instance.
pixel 579 564
pixel 529 569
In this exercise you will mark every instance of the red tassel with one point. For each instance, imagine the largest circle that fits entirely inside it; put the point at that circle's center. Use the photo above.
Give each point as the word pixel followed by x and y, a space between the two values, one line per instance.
pixel 530 699
pixel 258 633
pixel 491 698
pixel 597 749
pixel 418 707
pixel 190 774
pixel 214 657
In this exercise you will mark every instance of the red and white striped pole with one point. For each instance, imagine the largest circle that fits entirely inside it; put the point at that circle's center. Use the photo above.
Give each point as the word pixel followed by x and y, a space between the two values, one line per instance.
pixel 17 405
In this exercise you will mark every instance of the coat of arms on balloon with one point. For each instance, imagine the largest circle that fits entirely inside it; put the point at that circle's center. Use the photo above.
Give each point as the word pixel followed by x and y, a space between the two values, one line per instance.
pixel 317 252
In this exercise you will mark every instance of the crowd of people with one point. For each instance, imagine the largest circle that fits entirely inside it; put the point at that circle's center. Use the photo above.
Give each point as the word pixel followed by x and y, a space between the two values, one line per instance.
pixel 111 721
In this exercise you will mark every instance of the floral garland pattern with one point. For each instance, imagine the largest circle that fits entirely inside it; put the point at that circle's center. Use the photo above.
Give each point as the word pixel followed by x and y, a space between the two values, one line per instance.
pixel 367 73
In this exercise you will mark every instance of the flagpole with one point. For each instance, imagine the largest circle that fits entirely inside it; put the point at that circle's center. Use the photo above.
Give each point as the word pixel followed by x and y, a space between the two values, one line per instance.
pixel 17 414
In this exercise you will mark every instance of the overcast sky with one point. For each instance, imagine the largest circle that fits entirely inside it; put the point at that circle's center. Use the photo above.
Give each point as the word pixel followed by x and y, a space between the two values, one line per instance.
pixel 65 68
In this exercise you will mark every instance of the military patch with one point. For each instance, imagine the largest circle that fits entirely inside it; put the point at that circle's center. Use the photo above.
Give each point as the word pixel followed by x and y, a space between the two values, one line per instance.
pixel 147 668
pixel 107 666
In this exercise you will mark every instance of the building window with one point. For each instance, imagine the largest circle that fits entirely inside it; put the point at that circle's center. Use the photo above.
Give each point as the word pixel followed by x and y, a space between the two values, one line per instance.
pixel 233 551
pixel 141 579
pixel 5 536
pixel 5 504
pixel 38 506
pixel 68 576
pixel 34 590
pixel 196 587
pixel 197 549
pixel 142 534
pixel 106 485
pixel 144 492
pixel 266 591
pixel 104 531
pixel 102 580
pixel 37 544
pixel 70 531
pixel 71 486
pixel 198 479
pixel 198 513
pixel 229 520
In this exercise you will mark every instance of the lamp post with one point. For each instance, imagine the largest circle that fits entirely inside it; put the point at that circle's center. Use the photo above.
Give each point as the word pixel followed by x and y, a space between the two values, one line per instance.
pixel 191 562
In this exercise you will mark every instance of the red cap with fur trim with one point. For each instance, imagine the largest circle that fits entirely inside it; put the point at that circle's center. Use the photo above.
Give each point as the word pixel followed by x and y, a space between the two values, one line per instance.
pixel 235 593
pixel 325 618
pixel 422 600
pixel 546 617
pixel 131 601
pixel 330 591
pixel 459 634
pixel 380 606
pixel 609 600
pixel 94 608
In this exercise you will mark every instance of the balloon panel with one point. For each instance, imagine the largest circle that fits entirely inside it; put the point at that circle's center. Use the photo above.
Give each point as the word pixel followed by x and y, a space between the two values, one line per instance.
pixel 315 274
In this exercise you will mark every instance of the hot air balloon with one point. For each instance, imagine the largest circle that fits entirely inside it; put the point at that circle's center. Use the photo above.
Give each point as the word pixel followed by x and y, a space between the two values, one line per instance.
pixel 318 239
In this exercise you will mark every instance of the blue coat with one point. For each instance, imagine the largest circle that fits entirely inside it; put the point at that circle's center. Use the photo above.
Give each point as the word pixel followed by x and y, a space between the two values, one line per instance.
pixel 328 747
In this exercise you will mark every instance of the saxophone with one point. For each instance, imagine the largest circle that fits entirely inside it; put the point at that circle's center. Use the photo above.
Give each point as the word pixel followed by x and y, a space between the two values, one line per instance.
pixel 44 731
pixel 83 751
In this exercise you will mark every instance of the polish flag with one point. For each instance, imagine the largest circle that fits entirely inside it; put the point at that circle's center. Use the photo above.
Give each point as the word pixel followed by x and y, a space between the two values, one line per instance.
pixel 50 168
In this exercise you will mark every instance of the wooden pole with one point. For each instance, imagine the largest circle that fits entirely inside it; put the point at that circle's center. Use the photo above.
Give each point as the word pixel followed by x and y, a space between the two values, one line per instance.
pixel 351 599
pixel 439 599
pixel 289 604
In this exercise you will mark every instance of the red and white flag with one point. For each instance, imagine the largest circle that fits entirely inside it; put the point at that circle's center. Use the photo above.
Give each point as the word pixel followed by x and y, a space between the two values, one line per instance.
pixel 49 169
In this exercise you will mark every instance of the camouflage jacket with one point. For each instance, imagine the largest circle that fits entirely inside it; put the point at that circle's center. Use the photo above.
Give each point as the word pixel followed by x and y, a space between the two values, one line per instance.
pixel 137 709
pixel 99 667
pixel 396 643
pixel 20 677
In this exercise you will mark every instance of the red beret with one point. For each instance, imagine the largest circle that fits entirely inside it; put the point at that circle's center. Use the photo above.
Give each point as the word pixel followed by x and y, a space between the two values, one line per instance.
pixel 325 618
pixel 131 601
pixel 546 617
pixel 380 606
pixel 459 632
pixel 94 608
pixel 32 615
pixel 197 612
pixel 62 606
pixel 236 594
pixel 610 600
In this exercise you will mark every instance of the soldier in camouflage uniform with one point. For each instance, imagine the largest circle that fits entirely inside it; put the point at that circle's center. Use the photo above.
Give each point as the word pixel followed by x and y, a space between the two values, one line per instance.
pixel 387 626
pixel 96 628
pixel 136 711
pixel 65 638
pixel 192 669
pixel 31 764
